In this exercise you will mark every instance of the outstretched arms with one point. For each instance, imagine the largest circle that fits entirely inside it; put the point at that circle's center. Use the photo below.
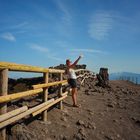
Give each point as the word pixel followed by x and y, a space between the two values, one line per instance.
pixel 76 61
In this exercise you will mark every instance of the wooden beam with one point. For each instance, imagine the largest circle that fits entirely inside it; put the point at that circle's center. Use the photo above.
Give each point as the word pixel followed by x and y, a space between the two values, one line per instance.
pixel 60 92
pixel 45 98
pixel 3 92
pixel 12 113
pixel 81 70
pixel 14 96
pixel 21 67
pixel 82 75
pixel 49 105
pixel 56 71
pixel 66 93
pixel 65 84
pixel 48 84
pixel 27 68
pixel 24 114
pixel 77 70
pixel 85 78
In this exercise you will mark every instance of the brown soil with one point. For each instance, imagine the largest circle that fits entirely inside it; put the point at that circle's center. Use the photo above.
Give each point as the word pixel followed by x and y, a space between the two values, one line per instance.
pixel 104 114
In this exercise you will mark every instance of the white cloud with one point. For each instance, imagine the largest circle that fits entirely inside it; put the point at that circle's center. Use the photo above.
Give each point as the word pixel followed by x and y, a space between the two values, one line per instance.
pixel 62 44
pixel 17 27
pixel 20 25
pixel 67 18
pixel 45 50
pixel 38 48
pixel 8 36
pixel 100 25
pixel 64 17
pixel 87 51
pixel 55 58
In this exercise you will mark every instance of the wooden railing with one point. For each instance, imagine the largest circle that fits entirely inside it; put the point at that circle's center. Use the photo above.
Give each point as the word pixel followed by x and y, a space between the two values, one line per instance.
pixel 7 118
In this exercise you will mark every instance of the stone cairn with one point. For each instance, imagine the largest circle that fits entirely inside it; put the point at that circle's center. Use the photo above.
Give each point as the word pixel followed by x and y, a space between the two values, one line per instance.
pixel 103 78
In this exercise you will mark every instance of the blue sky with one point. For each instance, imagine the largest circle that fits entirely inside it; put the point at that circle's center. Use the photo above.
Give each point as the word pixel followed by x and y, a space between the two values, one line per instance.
pixel 47 32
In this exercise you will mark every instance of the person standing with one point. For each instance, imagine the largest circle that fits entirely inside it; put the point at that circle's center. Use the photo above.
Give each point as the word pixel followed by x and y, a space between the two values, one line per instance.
pixel 72 79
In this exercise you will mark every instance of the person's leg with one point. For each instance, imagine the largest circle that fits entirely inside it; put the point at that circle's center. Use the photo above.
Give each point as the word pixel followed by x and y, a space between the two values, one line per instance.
pixel 74 96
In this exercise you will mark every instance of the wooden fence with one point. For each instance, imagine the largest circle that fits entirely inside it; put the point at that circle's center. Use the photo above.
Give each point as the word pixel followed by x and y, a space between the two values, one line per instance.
pixel 7 118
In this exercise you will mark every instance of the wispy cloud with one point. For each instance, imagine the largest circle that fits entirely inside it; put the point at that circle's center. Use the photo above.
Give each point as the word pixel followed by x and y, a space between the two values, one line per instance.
pixel 8 36
pixel 16 27
pixel 39 48
pixel 87 51
pixel 20 25
pixel 55 58
pixel 42 49
pixel 63 44
pixel 67 18
pixel 100 25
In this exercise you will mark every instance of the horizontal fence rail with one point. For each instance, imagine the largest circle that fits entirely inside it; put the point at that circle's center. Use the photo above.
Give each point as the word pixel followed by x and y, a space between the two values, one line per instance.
pixel 49 105
pixel 24 114
pixel 13 113
pixel 37 90
pixel 49 84
pixel 26 68
pixel 14 96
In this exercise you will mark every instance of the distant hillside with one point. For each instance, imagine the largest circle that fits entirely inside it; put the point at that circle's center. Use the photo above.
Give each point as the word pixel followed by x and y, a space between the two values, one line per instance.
pixel 134 77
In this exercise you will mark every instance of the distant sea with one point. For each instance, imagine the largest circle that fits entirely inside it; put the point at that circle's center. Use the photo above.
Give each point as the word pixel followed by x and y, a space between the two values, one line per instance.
pixel 133 77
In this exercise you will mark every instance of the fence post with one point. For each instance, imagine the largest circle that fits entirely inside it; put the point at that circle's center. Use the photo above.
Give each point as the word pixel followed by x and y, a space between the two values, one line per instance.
pixel 45 91
pixel 60 92
pixel 3 91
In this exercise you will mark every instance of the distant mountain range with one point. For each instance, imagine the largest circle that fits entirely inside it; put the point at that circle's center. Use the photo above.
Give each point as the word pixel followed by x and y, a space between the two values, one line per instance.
pixel 134 77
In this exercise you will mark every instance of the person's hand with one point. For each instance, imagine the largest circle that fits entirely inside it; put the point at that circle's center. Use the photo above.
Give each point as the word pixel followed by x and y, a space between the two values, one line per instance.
pixel 81 56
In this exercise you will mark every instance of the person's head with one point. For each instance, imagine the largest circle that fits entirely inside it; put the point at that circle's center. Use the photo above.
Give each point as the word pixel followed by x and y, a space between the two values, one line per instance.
pixel 68 62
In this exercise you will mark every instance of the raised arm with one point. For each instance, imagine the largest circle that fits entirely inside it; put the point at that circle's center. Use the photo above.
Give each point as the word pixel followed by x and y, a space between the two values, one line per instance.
pixel 76 61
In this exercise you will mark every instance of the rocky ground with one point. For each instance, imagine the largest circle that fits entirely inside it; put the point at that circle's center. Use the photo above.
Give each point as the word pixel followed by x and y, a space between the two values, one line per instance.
pixel 104 114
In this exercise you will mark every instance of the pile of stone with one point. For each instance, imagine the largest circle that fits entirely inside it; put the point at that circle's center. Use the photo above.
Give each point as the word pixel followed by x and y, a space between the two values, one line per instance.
pixel 103 78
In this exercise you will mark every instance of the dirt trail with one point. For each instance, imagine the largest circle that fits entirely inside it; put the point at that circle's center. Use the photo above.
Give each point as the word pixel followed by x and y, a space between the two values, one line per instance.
pixel 105 114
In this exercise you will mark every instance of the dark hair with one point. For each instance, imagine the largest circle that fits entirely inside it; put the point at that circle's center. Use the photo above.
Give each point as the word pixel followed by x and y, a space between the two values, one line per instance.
pixel 67 61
